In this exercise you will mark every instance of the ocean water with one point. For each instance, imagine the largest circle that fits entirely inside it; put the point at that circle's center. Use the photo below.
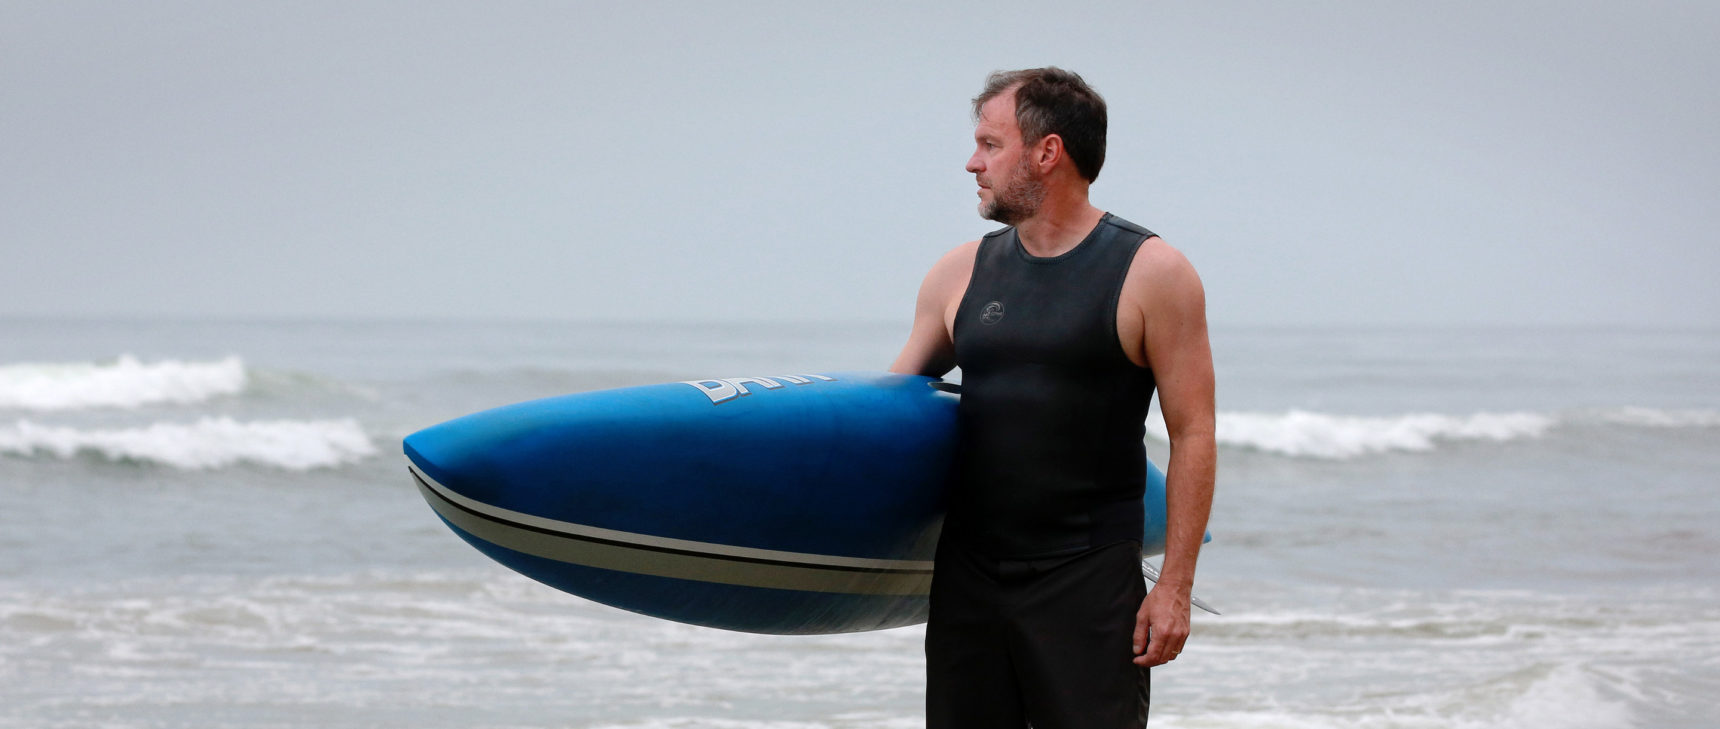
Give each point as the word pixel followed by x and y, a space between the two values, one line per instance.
pixel 209 524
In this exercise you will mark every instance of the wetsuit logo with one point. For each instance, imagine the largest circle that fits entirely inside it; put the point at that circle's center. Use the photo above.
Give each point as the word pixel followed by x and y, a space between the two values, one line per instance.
pixel 992 313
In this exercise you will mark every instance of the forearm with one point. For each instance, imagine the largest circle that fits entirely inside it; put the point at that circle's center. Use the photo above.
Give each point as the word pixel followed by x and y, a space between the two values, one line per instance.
pixel 1188 503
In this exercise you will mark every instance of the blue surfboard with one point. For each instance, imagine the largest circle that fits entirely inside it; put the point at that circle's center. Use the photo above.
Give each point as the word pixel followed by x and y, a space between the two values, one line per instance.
pixel 790 504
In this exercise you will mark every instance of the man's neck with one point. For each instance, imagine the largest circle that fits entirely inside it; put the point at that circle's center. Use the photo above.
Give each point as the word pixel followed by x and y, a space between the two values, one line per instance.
pixel 1059 226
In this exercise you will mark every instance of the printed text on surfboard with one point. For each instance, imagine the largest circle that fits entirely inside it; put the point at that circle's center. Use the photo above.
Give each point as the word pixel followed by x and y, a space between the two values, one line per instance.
pixel 724 390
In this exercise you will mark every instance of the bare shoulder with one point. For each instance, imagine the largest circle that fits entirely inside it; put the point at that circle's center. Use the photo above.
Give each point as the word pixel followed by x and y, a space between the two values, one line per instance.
pixel 1162 300
pixel 1160 270
pixel 948 279
pixel 957 263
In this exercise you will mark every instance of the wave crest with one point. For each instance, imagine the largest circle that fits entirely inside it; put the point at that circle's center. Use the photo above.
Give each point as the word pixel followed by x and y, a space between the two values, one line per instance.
pixel 1652 418
pixel 1303 434
pixel 1319 435
pixel 294 445
pixel 124 383
pixel 1306 434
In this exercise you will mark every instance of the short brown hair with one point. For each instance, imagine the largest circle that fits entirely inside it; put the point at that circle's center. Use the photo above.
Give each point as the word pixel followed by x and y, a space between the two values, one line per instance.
pixel 1051 100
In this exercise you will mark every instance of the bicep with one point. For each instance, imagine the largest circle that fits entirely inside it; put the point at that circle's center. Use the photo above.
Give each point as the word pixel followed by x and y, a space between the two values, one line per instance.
pixel 930 349
pixel 1178 348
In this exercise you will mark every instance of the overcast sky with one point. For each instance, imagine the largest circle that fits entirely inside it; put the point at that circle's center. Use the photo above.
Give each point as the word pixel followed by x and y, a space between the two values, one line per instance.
pixel 1319 162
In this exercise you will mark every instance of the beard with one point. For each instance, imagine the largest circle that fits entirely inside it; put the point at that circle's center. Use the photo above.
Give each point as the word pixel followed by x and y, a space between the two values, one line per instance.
pixel 1018 199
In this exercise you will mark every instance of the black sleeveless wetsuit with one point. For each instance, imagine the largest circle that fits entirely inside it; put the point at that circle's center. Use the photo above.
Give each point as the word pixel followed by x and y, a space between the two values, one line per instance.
pixel 1052 412
pixel 1037 577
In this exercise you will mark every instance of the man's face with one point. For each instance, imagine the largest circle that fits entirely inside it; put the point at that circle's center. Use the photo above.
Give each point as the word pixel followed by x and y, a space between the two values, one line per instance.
pixel 1010 189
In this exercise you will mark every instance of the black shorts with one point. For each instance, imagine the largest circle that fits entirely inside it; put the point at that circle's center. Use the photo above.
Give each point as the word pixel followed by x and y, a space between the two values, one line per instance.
pixel 1046 642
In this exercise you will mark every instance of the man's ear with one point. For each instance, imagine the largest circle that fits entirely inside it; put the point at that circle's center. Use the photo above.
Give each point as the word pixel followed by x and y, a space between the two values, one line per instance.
pixel 1048 152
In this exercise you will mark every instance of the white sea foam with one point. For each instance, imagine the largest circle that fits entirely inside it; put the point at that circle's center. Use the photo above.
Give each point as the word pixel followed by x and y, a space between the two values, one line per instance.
pixel 295 445
pixel 869 720
pixel 1306 434
pixel 1323 435
pixel 1567 696
pixel 1652 418
pixel 124 383
pixel 486 647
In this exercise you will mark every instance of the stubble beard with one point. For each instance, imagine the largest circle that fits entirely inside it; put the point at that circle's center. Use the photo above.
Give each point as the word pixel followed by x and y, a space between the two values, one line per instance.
pixel 1018 200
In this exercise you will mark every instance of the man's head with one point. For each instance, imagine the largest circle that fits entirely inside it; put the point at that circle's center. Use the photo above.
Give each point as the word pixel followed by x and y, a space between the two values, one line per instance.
pixel 1035 131
pixel 1050 101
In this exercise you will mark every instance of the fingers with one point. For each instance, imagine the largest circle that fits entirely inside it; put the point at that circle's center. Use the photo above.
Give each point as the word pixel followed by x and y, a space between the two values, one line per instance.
pixel 1160 631
pixel 1160 650
pixel 1143 624
pixel 1156 653
pixel 1164 643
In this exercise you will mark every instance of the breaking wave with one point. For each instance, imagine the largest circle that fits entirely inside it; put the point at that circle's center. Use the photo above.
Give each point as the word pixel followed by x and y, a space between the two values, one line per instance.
pixel 123 383
pixel 1320 435
pixel 1651 418
pixel 1328 436
pixel 293 445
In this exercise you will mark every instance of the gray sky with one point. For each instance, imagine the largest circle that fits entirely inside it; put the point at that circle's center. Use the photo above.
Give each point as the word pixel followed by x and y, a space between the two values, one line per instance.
pixel 1320 162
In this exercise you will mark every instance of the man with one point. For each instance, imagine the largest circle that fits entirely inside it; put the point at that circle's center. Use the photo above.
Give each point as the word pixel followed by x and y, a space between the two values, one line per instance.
pixel 1062 324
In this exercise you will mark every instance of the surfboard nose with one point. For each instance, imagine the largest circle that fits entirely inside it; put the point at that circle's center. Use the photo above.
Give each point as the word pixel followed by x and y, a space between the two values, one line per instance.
pixel 460 454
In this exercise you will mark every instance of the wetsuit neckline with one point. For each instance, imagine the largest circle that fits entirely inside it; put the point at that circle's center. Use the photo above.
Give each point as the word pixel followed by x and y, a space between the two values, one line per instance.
pixel 1021 250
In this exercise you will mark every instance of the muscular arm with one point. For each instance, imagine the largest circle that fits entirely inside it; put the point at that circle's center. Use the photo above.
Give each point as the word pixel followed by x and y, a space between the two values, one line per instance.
pixel 931 345
pixel 1169 304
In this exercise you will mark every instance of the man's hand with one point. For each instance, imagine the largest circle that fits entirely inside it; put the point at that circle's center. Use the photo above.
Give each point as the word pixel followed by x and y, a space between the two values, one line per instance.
pixel 1164 617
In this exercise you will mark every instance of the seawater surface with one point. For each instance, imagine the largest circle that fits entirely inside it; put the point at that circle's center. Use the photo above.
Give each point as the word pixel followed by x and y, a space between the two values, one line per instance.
pixel 209 524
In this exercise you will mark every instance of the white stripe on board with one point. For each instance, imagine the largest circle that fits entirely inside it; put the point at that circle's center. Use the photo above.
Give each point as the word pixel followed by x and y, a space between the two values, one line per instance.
pixel 646 540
